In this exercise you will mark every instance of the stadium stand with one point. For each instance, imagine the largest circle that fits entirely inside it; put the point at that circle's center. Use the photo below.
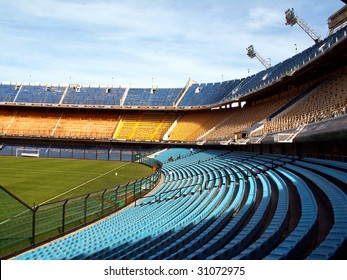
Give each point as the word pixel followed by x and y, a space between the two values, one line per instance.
pixel 40 94
pixel 8 92
pixel 206 94
pixel 152 97
pixel 295 108
pixel 93 95
pixel 146 126
pixel 89 124
pixel 28 121
pixel 191 126
pixel 298 239
pixel 244 118
pixel 47 122
pixel 327 100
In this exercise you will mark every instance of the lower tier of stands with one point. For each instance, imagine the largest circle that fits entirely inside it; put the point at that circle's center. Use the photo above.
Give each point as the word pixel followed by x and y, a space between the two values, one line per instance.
pixel 217 204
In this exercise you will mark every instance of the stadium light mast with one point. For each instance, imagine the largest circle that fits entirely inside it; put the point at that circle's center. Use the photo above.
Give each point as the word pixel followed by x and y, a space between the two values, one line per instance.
pixel 292 19
pixel 251 52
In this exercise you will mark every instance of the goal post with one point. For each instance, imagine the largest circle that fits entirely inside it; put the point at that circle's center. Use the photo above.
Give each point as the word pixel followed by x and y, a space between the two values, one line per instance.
pixel 23 152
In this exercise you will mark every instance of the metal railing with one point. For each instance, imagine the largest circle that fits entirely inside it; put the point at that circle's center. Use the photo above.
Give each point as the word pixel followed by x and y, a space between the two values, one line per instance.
pixel 23 227
pixel 176 193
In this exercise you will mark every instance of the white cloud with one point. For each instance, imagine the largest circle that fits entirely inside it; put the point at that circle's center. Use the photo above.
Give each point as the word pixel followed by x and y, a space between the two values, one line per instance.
pixel 136 40
pixel 260 18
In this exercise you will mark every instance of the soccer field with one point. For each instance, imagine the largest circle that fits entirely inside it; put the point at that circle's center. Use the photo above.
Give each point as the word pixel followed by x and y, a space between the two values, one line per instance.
pixel 43 180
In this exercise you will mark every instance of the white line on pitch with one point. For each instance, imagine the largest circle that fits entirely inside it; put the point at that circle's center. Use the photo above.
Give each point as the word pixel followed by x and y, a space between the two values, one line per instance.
pixel 5 221
pixel 91 180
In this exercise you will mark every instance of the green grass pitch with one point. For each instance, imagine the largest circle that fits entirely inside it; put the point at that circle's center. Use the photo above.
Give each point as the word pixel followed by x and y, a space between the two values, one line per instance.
pixel 43 180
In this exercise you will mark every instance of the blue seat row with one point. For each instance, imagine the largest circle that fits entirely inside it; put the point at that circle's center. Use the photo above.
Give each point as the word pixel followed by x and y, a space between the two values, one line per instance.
pixel 40 94
pixel 338 200
pixel 275 229
pixel 216 222
pixel 301 236
pixel 152 97
pixel 337 174
pixel 244 237
pixel 332 163
pixel 215 243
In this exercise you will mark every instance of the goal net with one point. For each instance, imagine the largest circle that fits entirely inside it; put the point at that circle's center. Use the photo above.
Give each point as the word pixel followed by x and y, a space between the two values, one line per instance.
pixel 22 152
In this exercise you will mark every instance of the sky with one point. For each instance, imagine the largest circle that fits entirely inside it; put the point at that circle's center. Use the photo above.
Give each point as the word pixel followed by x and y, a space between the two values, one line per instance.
pixel 141 43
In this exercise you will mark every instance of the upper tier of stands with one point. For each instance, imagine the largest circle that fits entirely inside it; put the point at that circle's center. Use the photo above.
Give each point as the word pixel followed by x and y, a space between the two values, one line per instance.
pixel 8 92
pixel 195 96
pixel 40 94
pixel 94 96
pixel 207 94
pixel 152 97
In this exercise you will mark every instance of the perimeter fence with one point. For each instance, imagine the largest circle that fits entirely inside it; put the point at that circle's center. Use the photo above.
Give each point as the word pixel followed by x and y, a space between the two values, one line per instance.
pixel 23 227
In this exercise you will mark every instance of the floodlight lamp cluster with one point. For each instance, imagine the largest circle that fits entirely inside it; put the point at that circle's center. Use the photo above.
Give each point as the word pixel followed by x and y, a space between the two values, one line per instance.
pixel 251 52
pixel 291 18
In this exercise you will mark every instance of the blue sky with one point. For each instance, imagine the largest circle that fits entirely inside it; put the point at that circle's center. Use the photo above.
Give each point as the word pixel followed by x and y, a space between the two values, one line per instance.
pixel 123 42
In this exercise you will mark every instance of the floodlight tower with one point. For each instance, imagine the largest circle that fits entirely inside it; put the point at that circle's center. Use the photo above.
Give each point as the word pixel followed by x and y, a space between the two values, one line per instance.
pixel 292 19
pixel 251 52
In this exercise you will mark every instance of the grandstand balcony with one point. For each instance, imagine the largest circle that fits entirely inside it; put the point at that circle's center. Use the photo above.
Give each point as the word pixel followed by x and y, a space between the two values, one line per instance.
pixel 93 95
pixel 40 94
pixel 8 92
